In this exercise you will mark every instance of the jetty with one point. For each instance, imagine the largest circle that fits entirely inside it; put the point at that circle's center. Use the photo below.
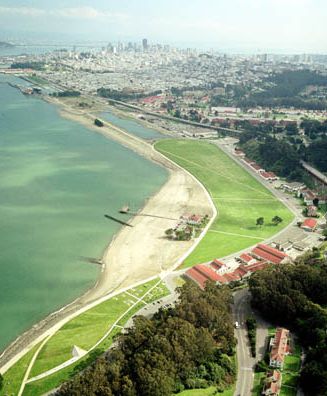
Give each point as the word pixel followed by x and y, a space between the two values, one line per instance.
pixel 117 220
pixel 91 260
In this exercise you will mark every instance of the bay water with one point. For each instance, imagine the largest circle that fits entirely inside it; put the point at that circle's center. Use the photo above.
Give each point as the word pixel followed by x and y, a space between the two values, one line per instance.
pixel 57 180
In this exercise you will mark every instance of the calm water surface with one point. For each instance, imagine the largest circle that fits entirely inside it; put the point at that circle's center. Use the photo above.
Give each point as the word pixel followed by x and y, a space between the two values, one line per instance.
pixel 57 180
pixel 132 126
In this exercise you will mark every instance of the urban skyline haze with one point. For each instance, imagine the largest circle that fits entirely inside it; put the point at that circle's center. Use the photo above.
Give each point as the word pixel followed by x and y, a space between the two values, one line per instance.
pixel 239 25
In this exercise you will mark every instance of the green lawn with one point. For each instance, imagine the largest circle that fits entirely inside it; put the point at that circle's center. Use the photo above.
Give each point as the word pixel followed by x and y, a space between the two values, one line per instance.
pixel 42 386
pixel 286 391
pixel 206 392
pixel 88 328
pixel 239 198
pixel 258 383
pixel 140 290
pixel 84 331
pixel 160 291
pixel 13 378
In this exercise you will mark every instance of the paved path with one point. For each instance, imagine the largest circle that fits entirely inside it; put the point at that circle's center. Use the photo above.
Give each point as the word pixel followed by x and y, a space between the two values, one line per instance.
pixel 75 359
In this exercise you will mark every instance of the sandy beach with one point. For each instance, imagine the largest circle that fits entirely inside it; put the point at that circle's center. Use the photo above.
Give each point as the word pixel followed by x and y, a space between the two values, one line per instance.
pixel 138 252
pixel 142 251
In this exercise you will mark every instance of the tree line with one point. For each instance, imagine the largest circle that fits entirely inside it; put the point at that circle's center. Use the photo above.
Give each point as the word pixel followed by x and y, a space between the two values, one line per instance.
pixel 285 91
pixel 295 296
pixel 185 347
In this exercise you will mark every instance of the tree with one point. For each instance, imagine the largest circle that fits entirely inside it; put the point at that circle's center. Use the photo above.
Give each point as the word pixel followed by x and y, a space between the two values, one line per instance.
pixel 1 381
pixel 324 233
pixel 260 221
pixel 276 220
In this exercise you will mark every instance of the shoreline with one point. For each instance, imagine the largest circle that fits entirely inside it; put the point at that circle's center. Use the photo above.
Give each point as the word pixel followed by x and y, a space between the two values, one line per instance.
pixel 107 283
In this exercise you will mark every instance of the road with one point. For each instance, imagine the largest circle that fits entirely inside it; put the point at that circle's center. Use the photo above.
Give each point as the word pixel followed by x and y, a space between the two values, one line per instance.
pixel 245 363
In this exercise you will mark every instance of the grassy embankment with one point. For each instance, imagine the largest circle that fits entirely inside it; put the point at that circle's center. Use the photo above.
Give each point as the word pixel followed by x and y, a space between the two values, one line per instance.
pixel 239 198
pixel 84 331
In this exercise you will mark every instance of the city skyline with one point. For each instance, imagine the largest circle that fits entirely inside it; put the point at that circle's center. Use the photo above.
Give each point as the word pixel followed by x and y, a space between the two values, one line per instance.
pixel 266 25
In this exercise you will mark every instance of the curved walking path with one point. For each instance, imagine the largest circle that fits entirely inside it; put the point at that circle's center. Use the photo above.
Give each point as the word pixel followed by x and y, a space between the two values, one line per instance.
pixel 75 359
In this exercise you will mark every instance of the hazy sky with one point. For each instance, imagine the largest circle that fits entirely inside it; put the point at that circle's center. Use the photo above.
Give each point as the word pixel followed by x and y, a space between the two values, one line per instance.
pixel 285 25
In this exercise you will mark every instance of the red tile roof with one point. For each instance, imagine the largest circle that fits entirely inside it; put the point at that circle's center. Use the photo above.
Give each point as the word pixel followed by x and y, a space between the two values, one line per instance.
pixel 196 277
pixel 256 166
pixel 209 273
pixel 268 253
pixel 259 265
pixel 216 264
pixel 272 250
pixel 280 345
pixel 310 223
pixel 246 257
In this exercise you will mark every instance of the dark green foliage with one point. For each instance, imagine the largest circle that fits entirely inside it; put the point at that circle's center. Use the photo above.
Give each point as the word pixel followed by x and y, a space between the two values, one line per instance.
pixel 316 154
pixel 66 94
pixel 286 90
pixel 296 296
pixel 98 122
pixel 260 221
pixel 28 65
pixel 1 381
pixel 124 95
pixel 251 325
pixel 184 347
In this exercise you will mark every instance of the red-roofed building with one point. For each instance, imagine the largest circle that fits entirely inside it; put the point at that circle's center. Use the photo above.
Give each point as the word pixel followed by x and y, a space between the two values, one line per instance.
pixel 232 277
pixel 309 225
pixel 258 266
pixel 208 272
pixel 272 383
pixel 196 277
pixel 268 176
pixel 239 153
pixel 279 348
pixel 246 258
pixel 218 266
pixel 257 167
pixel 265 252
pixel 248 161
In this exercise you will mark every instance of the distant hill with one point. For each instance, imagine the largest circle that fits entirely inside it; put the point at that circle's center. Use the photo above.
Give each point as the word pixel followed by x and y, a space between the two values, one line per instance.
pixel 3 44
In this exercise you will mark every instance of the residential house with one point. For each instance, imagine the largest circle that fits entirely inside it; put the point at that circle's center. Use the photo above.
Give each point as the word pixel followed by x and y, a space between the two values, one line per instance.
pixel 279 348
pixel 272 383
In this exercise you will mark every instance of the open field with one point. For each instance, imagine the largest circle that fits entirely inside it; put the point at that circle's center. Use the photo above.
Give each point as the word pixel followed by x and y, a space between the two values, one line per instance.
pixel 84 331
pixel 46 384
pixel 239 198
pixel 14 376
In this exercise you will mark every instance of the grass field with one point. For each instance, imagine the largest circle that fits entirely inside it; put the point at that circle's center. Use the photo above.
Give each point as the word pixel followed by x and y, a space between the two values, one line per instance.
pixel 207 392
pixel 13 378
pixel 85 330
pixel 239 198
pixel 42 386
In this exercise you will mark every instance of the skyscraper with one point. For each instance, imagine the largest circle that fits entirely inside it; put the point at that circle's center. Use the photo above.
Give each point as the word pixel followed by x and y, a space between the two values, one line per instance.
pixel 145 44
